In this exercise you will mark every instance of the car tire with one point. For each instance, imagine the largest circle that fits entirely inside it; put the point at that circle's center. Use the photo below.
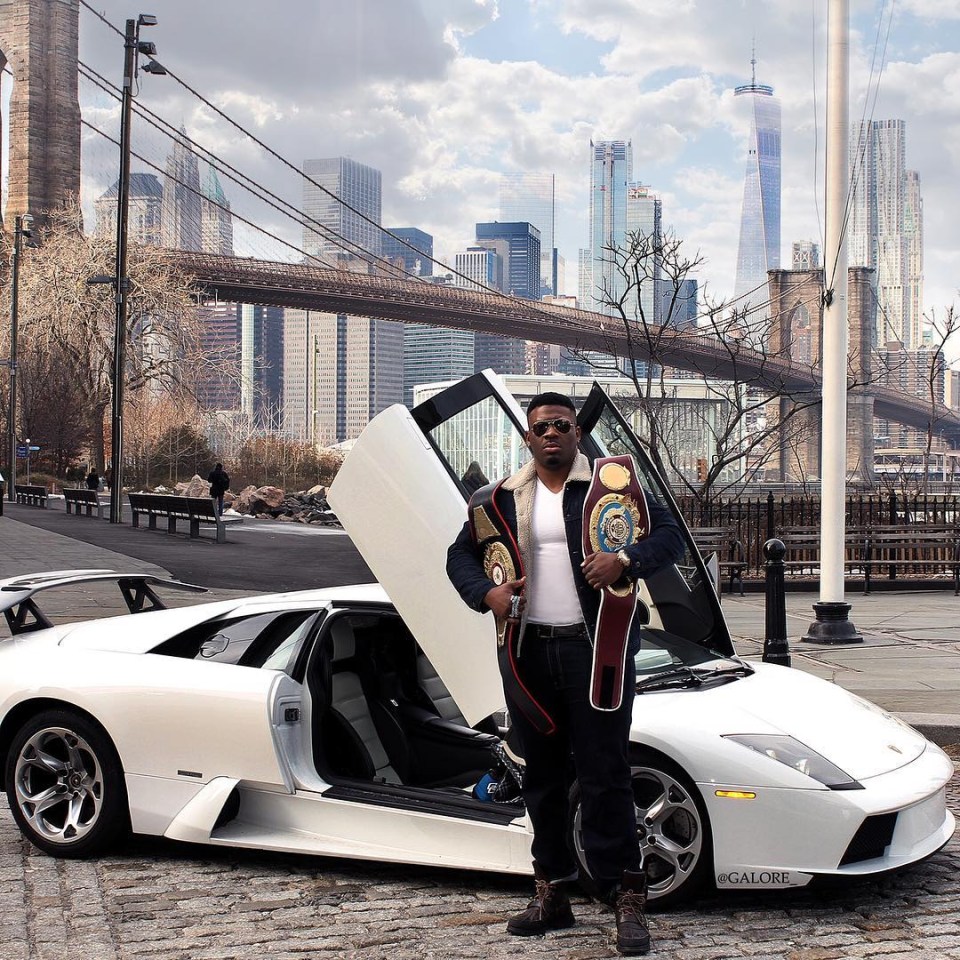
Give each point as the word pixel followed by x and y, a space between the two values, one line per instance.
pixel 65 785
pixel 672 825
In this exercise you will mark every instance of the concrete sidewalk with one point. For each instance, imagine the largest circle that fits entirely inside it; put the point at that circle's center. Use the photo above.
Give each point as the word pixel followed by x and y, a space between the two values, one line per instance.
pixel 909 662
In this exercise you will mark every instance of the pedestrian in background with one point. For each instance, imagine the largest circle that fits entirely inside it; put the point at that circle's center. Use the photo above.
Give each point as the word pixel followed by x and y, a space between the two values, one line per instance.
pixel 108 477
pixel 219 484
pixel 93 479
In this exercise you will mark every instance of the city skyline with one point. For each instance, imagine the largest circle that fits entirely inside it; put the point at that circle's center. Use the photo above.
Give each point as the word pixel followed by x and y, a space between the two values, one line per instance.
pixel 466 92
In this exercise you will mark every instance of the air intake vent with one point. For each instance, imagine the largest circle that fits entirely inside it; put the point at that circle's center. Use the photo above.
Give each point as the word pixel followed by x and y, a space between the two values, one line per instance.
pixel 871 840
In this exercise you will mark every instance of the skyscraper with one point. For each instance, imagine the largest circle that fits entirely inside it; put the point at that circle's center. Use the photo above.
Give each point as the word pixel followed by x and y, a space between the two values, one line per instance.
pixel 913 261
pixel 340 371
pixel 261 362
pixel 181 198
pixel 430 354
pixel 216 223
pixel 880 236
pixel 759 249
pixel 144 213
pixel 611 171
pixel 478 268
pixel 518 246
pixel 531 198
pixel 644 217
pixel 419 261
pixel 342 196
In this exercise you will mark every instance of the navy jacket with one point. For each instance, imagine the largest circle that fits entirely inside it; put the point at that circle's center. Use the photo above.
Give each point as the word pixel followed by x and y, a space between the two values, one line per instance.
pixel 663 546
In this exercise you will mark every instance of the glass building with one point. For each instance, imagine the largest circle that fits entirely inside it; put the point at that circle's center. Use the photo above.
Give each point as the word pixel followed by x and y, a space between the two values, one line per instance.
pixel 759 249
pixel 417 261
pixel 644 216
pixel 611 171
pixel 886 228
pixel 181 198
pixel 356 219
pixel 531 198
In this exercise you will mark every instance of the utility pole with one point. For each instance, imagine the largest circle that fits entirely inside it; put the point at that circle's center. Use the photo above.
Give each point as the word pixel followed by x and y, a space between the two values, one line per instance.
pixel 132 46
pixel 832 624
pixel 21 229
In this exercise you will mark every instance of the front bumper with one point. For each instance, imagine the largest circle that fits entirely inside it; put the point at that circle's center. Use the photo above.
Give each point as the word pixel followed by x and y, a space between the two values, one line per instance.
pixel 785 837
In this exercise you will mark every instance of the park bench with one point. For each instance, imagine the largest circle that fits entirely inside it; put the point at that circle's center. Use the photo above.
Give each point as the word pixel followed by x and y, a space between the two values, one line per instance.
pixel 803 550
pixel 83 498
pixel 912 550
pixel 905 551
pixel 194 510
pixel 731 556
pixel 28 493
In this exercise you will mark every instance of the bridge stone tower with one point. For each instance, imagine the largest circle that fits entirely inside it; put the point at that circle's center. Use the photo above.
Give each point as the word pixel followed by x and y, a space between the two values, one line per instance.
pixel 797 328
pixel 39 40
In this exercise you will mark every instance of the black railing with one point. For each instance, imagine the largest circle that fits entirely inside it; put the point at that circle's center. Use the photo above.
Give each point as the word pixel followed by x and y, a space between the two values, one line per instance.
pixel 758 519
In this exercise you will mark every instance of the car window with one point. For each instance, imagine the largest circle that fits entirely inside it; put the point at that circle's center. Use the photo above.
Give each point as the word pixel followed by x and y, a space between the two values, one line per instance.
pixel 480 444
pixel 268 640
pixel 614 441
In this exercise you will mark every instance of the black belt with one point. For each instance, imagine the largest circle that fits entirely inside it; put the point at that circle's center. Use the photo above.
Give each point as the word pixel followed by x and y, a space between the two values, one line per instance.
pixel 548 631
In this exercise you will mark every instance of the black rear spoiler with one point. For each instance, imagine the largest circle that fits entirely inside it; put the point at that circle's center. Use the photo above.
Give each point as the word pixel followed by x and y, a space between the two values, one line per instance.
pixel 24 616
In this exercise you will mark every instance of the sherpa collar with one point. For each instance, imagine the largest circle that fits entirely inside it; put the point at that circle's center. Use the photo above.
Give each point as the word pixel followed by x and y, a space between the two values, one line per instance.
pixel 527 474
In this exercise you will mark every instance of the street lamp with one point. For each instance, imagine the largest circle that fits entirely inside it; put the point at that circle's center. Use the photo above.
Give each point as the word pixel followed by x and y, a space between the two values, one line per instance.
pixel 21 229
pixel 133 47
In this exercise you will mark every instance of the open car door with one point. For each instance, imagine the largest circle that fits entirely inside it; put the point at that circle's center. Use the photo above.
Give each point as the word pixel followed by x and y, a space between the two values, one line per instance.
pixel 401 495
pixel 683 595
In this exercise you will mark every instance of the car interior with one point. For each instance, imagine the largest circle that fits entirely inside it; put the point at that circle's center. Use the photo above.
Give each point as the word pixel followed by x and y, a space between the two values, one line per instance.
pixel 381 713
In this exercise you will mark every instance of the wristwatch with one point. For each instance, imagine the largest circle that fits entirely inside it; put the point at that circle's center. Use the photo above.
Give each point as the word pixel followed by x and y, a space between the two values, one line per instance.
pixel 624 558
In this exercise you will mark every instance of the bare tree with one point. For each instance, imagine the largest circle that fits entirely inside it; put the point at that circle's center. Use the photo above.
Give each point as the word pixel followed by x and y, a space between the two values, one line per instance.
pixel 62 312
pixel 943 327
pixel 741 425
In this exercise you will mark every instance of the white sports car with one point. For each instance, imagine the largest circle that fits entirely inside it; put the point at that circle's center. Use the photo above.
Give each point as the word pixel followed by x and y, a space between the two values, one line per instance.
pixel 356 721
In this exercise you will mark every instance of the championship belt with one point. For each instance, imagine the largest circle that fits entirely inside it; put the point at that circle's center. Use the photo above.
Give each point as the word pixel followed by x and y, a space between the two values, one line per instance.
pixel 615 516
pixel 502 563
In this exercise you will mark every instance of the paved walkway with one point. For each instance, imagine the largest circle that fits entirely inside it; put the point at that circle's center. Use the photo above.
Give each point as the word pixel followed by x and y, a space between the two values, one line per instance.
pixel 168 901
pixel 909 661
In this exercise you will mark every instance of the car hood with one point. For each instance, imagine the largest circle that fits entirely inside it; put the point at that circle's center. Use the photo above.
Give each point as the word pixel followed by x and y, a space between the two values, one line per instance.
pixel 859 737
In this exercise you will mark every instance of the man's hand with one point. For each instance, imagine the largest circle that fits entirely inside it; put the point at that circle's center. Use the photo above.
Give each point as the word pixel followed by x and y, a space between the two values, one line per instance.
pixel 499 599
pixel 601 569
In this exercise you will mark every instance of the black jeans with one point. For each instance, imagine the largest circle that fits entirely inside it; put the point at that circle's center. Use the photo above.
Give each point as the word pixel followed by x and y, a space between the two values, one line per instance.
pixel 557 672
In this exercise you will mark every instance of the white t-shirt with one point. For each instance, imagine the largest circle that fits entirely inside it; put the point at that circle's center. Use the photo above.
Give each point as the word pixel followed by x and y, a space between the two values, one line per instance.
pixel 551 590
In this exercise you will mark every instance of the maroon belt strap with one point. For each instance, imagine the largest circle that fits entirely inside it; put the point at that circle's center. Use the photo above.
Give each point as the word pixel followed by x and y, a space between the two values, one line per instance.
pixel 502 563
pixel 615 516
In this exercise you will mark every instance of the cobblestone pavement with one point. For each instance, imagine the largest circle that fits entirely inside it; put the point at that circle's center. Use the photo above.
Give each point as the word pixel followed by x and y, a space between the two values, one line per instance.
pixel 169 901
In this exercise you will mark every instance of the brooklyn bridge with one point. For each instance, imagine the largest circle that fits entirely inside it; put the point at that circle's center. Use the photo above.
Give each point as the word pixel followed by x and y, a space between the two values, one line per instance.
pixel 309 287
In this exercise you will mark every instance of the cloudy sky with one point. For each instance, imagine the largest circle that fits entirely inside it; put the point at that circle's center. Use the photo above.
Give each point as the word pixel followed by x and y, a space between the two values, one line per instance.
pixel 445 95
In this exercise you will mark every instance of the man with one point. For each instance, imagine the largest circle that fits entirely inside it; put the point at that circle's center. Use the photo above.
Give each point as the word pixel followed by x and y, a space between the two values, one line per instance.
pixel 219 484
pixel 554 608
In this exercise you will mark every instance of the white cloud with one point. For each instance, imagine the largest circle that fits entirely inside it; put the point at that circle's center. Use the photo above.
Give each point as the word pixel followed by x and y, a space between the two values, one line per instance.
pixel 397 86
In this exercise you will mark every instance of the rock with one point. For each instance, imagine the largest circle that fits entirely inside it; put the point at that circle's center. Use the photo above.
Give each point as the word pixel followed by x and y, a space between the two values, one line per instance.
pixel 197 487
pixel 270 502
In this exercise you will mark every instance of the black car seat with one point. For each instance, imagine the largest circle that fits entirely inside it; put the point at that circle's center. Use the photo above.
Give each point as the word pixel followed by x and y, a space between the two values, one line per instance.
pixel 352 742
pixel 435 691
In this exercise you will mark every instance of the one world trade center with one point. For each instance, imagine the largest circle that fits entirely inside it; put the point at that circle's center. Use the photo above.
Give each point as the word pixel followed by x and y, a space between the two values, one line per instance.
pixel 759 249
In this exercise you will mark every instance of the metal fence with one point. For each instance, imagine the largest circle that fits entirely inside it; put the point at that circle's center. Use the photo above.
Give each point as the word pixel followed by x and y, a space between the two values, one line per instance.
pixel 757 519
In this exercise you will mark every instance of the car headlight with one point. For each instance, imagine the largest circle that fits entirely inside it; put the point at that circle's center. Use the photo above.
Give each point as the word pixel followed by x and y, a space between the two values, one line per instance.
pixel 799 756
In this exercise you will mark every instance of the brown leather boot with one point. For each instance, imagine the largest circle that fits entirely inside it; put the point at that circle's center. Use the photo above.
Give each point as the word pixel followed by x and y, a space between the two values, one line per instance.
pixel 548 910
pixel 633 934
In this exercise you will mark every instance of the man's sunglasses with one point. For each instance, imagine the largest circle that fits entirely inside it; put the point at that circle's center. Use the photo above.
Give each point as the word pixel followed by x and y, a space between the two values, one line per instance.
pixel 560 424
